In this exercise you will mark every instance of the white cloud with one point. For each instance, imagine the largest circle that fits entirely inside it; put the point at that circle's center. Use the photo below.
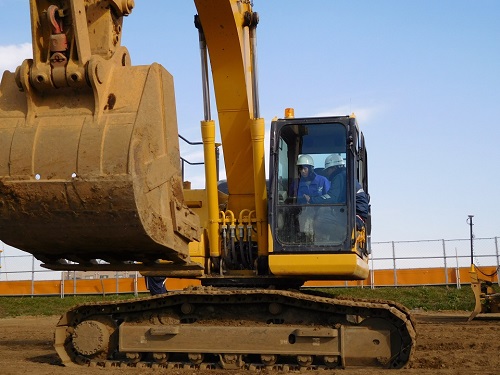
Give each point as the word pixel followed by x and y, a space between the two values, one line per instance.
pixel 363 114
pixel 12 56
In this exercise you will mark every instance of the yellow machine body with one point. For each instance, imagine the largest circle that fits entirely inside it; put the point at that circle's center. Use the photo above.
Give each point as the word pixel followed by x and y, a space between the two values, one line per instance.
pixel 314 266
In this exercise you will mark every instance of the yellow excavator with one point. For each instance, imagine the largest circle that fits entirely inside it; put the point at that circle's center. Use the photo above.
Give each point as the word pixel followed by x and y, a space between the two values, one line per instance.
pixel 90 180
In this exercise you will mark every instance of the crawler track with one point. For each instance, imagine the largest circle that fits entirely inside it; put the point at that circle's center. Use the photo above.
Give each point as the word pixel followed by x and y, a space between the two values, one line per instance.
pixel 208 328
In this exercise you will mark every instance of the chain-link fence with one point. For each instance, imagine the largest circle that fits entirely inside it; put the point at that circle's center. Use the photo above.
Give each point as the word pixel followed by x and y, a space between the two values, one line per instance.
pixel 445 255
pixel 435 253
pixel 394 257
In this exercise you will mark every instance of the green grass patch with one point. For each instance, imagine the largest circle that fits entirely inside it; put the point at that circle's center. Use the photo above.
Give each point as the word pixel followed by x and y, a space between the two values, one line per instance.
pixel 36 306
pixel 427 298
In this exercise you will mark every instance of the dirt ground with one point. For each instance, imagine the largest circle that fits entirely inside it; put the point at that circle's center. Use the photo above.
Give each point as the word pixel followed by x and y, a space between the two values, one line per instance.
pixel 446 345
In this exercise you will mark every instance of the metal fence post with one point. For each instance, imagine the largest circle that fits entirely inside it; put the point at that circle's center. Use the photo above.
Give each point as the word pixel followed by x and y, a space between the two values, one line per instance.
pixel 372 275
pixel 74 283
pixel 498 264
pixel 457 270
pixel 445 263
pixel 394 264
pixel 32 276
pixel 496 251
pixel 117 287
pixel 62 284
pixel 136 292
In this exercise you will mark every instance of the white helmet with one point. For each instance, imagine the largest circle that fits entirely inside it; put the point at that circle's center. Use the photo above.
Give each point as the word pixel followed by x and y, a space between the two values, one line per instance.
pixel 334 160
pixel 305 159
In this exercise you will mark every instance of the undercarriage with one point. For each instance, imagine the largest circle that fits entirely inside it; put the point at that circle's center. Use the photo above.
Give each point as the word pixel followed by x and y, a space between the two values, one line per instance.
pixel 208 328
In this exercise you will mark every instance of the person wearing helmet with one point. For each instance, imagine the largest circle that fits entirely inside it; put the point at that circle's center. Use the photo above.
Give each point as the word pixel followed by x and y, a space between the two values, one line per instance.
pixel 310 184
pixel 336 173
pixel 330 225
pixel 335 170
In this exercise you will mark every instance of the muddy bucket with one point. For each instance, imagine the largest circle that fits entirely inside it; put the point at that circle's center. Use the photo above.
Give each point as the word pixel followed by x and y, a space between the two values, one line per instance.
pixel 93 173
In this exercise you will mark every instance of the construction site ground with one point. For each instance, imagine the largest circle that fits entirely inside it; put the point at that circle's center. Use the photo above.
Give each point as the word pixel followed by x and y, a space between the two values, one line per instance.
pixel 446 344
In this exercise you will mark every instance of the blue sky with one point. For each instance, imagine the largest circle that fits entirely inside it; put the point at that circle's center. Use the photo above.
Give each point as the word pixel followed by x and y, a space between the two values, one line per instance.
pixel 423 78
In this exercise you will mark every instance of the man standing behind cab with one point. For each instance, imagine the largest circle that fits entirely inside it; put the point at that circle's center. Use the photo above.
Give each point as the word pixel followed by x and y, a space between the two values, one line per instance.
pixel 156 284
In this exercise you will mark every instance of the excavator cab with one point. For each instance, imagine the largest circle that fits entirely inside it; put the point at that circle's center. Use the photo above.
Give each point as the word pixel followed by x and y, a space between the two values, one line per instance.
pixel 314 215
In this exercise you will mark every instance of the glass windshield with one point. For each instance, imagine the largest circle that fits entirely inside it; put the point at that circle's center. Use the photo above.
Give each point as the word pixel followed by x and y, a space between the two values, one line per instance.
pixel 311 178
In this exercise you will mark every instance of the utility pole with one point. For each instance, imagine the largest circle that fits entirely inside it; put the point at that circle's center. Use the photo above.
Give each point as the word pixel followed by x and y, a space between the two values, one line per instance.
pixel 469 221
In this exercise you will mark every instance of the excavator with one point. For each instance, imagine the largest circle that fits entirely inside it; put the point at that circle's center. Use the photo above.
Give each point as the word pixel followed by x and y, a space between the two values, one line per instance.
pixel 90 180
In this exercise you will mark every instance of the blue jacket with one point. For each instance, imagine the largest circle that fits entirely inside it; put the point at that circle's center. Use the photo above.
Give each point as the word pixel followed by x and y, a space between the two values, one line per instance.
pixel 362 202
pixel 337 191
pixel 314 186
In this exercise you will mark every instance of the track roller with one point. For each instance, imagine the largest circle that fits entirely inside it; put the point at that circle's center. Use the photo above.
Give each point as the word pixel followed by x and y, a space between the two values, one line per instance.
pixel 268 359
pixel 331 361
pixel 231 361
pixel 134 357
pixel 160 357
pixel 196 358
pixel 305 360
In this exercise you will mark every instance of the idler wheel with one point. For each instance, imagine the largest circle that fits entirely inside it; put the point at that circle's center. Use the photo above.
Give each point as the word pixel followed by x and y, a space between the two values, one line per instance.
pixel 91 338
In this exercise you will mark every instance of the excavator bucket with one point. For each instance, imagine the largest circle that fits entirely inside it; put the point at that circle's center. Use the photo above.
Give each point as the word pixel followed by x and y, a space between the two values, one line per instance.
pixel 487 300
pixel 89 155
pixel 476 288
